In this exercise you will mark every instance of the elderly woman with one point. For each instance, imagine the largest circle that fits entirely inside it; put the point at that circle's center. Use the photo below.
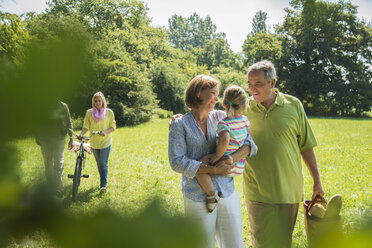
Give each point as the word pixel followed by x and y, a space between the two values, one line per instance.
pixel 100 118
pixel 191 138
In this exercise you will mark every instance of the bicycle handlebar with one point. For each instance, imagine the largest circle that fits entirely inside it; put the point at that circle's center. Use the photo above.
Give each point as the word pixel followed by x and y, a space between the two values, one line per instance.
pixel 84 137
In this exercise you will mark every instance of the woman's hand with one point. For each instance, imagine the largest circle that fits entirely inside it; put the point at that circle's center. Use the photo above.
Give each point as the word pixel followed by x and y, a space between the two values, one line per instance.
pixel 102 133
pixel 206 159
pixel 224 166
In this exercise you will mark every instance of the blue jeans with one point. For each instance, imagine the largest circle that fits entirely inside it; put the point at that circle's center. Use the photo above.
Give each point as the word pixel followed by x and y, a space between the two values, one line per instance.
pixel 101 156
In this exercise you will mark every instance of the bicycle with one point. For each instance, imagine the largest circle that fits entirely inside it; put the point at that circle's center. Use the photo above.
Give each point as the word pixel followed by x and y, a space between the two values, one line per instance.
pixel 80 163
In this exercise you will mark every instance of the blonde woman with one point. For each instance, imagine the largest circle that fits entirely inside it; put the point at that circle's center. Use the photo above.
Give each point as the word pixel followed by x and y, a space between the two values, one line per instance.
pixel 100 118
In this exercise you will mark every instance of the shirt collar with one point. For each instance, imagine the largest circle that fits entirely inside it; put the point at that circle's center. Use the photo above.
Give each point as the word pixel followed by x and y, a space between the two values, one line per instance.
pixel 279 100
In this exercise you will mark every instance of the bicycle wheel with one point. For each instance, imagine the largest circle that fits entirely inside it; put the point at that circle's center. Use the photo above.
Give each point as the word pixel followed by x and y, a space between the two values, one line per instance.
pixel 76 180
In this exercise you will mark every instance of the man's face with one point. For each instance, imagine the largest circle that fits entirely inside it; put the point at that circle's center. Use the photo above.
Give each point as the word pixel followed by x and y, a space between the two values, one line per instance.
pixel 260 88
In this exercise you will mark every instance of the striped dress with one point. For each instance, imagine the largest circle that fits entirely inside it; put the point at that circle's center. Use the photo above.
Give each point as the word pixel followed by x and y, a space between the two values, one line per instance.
pixel 237 127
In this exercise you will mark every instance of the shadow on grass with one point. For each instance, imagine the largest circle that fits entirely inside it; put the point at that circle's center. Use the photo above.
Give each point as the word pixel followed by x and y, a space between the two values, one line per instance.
pixel 84 196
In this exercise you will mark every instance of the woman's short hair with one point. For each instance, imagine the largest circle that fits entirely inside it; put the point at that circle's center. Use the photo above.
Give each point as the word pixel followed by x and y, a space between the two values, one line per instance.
pixel 266 66
pixel 99 94
pixel 196 86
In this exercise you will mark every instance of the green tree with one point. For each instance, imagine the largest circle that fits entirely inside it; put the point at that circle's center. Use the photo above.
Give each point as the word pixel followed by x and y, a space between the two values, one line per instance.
pixel 123 48
pixel 193 31
pixel 229 76
pixel 262 46
pixel 215 53
pixel 13 37
pixel 327 57
pixel 200 36
pixel 259 22
pixel 170 77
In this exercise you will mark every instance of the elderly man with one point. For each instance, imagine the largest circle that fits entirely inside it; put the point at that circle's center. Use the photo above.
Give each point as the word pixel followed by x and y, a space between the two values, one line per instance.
pixel 273 180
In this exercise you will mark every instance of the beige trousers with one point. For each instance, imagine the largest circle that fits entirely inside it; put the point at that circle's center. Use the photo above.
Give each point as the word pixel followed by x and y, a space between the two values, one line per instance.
pixel 53 154
pixel 271 225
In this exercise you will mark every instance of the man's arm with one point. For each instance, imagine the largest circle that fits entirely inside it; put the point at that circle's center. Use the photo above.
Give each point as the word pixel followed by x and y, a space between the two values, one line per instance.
pixel 68 121
pixel 310 160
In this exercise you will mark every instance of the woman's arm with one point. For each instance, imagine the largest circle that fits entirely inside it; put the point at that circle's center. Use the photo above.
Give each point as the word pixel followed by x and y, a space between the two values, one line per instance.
pixel 223 167
pixel 249 149
pixel 177 149
pixel 83 131
pixel 85 124
pixel 107 131
pixel 241 153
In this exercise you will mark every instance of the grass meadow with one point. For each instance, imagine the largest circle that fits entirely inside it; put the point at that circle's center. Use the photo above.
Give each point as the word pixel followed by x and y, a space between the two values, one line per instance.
pixel 139 171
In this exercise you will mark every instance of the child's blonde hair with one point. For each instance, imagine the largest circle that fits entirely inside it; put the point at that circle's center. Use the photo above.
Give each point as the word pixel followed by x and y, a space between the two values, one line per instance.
pixel 233 98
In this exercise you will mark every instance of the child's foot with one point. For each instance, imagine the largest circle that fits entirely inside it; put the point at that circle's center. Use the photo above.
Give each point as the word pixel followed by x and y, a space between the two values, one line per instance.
pixel 212 201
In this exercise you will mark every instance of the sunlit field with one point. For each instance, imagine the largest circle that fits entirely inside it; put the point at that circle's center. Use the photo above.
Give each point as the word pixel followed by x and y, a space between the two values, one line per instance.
pixel 139 171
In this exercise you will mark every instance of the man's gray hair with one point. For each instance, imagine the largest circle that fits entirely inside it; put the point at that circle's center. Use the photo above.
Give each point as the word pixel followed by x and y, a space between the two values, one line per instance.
pixel 266 66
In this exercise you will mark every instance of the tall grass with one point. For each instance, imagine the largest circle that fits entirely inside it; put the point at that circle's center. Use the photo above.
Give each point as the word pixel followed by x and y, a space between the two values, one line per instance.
pixel 139 172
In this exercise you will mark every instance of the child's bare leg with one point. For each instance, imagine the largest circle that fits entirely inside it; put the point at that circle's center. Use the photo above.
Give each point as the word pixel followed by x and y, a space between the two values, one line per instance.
pixel 205 182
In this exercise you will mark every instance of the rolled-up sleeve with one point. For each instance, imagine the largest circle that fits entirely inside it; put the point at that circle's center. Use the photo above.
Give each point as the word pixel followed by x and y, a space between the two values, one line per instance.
pixel 249 141
pixel 112 122
pixel 86 123
pixel 177 150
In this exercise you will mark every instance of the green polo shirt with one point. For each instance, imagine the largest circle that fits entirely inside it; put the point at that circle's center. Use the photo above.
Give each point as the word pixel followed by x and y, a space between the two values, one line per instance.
pixel 274 175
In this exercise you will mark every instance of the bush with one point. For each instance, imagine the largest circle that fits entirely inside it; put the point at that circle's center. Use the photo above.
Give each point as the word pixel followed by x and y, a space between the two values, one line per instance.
pixel 77 122
pixel 162 113
pixel 169 85
pixel 229 76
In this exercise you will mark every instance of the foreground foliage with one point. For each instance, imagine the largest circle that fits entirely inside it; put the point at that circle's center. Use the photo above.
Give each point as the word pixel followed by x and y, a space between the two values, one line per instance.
pixel 139 172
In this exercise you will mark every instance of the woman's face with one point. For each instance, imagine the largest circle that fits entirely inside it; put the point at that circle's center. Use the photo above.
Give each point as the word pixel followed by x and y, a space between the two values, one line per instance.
pixel 98 103
pixel 209 98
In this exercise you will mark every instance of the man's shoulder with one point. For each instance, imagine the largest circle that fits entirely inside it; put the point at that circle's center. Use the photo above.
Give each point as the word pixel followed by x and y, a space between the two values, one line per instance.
pixel 289 99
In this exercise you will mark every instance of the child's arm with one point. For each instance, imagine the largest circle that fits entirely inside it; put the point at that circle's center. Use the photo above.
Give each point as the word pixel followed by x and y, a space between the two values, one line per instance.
pixel 223 143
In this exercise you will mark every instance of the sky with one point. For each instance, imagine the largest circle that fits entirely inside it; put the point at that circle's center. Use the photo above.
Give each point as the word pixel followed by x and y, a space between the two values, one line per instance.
pixel 233 17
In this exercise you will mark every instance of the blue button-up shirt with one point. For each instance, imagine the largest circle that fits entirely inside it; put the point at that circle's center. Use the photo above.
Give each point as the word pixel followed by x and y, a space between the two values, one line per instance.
pixel 187 144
